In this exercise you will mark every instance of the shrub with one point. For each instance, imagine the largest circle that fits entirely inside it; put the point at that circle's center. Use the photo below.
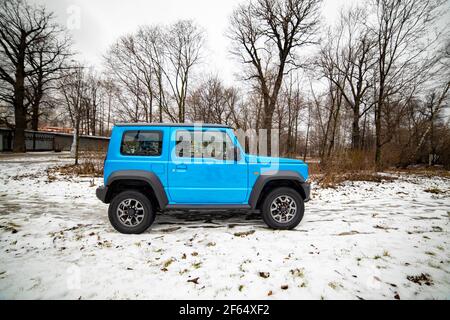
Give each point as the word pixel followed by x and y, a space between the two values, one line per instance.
pixel 90 164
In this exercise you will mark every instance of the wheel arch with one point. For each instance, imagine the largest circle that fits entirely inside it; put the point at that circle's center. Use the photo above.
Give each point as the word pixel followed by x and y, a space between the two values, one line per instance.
pixel 145 181
pixel 271 180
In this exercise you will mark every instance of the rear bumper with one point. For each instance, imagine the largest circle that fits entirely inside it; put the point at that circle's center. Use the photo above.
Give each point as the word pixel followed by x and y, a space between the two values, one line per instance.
pixel 101 193
pixel 307 188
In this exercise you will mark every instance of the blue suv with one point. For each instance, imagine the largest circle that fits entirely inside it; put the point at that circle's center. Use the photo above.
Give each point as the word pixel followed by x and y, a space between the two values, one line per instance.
pixel 162 167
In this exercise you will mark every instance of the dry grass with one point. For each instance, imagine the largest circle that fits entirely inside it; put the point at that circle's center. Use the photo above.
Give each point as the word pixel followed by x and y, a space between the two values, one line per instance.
pixel 434 191
pixel 314 168
pixel 425 171
pixel 83 169
pixel 359 166
pixel 331 180
pixel 345 166
pixel 90 165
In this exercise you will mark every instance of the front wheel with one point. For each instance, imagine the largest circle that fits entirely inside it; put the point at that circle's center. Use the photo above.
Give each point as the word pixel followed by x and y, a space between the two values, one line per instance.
pixel 131 212
pixel 283 208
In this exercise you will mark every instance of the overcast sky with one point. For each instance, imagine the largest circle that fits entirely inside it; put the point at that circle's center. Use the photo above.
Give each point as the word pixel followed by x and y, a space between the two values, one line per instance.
pixel 103 21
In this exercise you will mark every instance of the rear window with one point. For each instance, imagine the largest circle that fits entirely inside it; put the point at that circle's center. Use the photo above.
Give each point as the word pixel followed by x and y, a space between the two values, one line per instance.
pixel 141 143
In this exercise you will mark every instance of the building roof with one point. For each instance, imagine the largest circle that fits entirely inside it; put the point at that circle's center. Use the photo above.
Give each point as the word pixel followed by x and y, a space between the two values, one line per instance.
pixel 144 124
pixel 51 133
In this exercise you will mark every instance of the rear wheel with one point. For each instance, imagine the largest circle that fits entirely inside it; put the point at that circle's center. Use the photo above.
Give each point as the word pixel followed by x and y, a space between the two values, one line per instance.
pixel 283 208
pixel 131 212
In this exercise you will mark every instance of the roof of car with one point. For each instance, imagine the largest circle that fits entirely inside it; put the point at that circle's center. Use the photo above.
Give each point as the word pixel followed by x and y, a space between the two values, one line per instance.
pixel 145 124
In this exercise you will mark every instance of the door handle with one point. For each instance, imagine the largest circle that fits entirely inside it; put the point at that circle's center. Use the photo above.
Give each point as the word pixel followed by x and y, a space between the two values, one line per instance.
pixel 181 167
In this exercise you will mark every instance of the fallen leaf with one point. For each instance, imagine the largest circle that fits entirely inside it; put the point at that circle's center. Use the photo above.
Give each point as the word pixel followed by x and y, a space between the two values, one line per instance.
pixel 195 280
pixel 166 230
pixel 168 262
pixel 244 233
pixel 348 233
pixel 423 278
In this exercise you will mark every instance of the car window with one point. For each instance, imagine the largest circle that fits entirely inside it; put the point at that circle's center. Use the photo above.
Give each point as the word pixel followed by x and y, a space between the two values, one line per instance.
pixel 141 143
pixel 207 144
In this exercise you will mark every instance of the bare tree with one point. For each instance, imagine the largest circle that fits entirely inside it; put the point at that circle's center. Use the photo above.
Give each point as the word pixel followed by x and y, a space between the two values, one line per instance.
pixel 29 51
pixel 308 126
pixel 401 41
pixel 154 65
pixel 266 35
pixel 110 94
pixel 73 90
pixel 211 102
pixel 132 71
pixel 152 47
pixel 290 103
pixel 432 112
pixel 347 59
pixel 47 57
pixel 183 43
pixel 92 102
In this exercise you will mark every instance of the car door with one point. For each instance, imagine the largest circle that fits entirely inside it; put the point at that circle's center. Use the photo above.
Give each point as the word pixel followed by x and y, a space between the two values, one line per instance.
pixel 201 170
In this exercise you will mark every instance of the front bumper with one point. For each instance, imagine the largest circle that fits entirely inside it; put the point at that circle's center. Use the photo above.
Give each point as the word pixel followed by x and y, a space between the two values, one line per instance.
pixel 101 193
pixel 307 188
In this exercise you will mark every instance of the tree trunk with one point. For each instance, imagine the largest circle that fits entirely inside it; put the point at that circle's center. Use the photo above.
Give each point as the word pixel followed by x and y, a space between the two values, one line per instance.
pixel 363 137
pixel 356 133
pixel 35 117
pixel 36 103
pixel 378 136
pixel 378 107
pixel 335 123
pixel 19 96
pixel 73 148
pixel 93 120
pixel 327 131
pixel 77 147
pixel 109 113
pixel 35 110
pixel 267 124
pixel 432 157
pixel 307 132
pixel 19 133
pixel 76 142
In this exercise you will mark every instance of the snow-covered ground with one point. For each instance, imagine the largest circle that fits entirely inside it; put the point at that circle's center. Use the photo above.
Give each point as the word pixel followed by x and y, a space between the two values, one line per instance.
pixel 361 240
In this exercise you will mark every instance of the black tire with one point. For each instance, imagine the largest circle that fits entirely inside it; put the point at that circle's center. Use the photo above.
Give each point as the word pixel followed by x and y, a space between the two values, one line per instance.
pixel 266 208
pixel 148 215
